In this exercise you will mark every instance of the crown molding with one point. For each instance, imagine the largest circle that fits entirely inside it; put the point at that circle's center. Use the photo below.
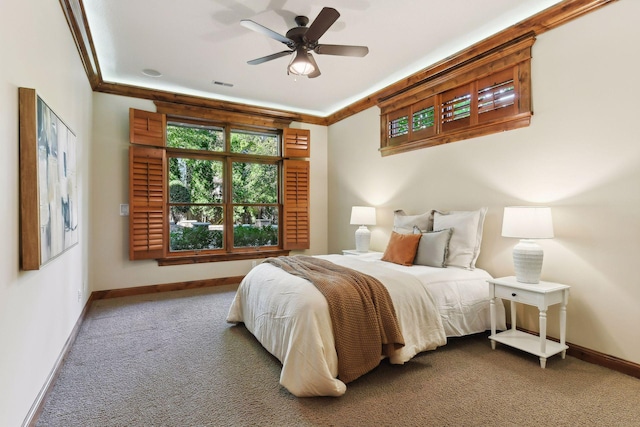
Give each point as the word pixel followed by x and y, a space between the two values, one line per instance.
pixel 542 22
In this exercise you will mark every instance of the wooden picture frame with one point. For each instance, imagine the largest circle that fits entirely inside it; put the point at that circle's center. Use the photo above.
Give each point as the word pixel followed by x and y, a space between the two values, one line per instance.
pixel 48 184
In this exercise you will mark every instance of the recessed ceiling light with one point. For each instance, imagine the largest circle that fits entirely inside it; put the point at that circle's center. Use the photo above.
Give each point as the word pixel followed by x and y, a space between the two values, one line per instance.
pixel 151 72
pixel 215 82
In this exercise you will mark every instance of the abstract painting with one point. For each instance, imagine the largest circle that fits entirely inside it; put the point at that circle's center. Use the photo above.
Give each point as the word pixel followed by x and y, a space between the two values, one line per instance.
pixel 49 199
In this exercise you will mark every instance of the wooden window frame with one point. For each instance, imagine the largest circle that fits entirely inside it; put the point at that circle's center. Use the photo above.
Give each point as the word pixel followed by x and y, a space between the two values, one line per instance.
pixel 511 60
pixel 297 146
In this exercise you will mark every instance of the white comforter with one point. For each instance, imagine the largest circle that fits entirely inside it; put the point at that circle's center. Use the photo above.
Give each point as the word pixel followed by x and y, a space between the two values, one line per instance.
pixel 290 317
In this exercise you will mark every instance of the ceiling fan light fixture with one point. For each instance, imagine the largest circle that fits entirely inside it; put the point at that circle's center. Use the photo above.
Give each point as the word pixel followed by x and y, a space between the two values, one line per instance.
pixel 302 40
pixel 300 64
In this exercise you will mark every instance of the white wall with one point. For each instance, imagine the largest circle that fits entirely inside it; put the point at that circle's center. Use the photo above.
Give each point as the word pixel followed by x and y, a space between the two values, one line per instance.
pixel 38 309
pixel 581 156
pixel 109 259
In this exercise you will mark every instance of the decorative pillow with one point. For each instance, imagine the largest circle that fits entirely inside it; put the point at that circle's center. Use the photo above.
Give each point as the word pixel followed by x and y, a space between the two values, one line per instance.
pixel 403 223
pixel 464 246
pixel 433 247
pixel 401 248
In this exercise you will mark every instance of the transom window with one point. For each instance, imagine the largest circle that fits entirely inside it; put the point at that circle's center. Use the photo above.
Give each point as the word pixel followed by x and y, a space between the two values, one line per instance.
pixel 482 95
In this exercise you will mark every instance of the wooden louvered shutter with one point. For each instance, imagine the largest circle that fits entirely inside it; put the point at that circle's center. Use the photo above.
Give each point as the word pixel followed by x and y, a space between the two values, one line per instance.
pixel 147 193
pixel 296 142
pixel 498 95
pixel 296 205
pixel 147 128
pixel 455 108
pixel 398 126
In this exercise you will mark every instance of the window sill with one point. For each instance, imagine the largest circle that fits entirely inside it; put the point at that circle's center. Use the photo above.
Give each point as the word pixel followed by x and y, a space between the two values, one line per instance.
pixel 235 256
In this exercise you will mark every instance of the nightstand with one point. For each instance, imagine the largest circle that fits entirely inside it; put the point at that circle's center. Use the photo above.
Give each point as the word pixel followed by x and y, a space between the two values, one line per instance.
pixel 356 253
pixel 540 295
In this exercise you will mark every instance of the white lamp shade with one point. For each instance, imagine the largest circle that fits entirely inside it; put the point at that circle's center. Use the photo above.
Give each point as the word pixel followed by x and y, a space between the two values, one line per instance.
pixel 363 215
pixel 527 222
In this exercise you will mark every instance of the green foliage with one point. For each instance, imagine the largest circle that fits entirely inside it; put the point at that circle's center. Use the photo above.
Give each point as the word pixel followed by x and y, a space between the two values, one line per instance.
pixel 199 238
pixel 178 193
pixel 194 138
pixel 243 215
pixel 202 179
pixel 254 143
pixel 255 236
pixel 254 183
pixel 196 238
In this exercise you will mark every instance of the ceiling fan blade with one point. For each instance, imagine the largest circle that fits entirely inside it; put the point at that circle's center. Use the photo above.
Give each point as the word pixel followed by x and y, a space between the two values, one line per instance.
pixel 341 50
pixel 316 73
pixel 248 23
pixel 323 21
pixel 269 57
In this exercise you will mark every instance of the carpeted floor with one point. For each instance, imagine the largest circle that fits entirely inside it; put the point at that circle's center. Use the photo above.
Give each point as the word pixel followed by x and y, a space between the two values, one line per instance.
pixel 170 359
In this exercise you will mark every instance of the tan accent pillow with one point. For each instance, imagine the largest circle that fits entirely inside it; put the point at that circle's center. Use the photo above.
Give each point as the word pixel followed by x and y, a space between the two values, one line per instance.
pixel 403 223
pixel 401 248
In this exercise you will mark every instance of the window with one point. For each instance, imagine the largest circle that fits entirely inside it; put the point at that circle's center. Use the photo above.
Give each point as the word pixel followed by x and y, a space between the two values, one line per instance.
pixel 219 190
pixel 255 189
pixel 488 94
pixel 202 218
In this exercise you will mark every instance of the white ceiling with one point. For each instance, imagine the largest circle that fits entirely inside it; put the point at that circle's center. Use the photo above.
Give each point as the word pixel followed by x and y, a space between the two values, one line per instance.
pixel 195 42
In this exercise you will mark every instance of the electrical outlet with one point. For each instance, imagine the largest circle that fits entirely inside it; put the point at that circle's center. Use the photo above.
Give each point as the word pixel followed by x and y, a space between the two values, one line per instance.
pixel 79 295
pixel 124 209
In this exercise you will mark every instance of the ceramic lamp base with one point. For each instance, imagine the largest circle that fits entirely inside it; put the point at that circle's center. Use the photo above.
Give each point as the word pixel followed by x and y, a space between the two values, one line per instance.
pixel 527 261
pixel 363 238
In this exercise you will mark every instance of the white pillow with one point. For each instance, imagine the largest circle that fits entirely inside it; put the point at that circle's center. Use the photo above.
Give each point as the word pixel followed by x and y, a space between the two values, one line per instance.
pixel 403 223
pixel 464 246
pixel 433 248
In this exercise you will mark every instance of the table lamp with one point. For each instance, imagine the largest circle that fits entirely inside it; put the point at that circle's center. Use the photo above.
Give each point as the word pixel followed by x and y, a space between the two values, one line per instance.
pixel 527 223
pixel 363 216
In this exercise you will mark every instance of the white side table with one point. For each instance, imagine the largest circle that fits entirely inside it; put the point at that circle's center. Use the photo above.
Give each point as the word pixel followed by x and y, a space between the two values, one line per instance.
pixel 357 253
pixel 541 295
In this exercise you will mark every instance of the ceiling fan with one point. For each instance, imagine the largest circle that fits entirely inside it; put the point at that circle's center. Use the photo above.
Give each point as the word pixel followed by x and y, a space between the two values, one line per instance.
pixel 302 40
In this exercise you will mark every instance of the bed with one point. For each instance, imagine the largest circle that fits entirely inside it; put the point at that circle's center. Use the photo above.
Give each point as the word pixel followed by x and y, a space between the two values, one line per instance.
pixel 429 272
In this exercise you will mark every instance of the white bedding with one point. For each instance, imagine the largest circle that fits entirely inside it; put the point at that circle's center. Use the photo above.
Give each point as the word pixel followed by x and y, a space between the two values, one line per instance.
pixel 462 296
pixel 290 317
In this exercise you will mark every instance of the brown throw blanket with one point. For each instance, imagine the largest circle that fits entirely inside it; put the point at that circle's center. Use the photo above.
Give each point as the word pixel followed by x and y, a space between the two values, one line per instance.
pixel 364 321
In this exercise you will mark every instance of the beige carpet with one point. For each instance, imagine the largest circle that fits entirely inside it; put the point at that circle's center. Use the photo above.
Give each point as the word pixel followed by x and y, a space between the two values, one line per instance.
pixel 170 359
